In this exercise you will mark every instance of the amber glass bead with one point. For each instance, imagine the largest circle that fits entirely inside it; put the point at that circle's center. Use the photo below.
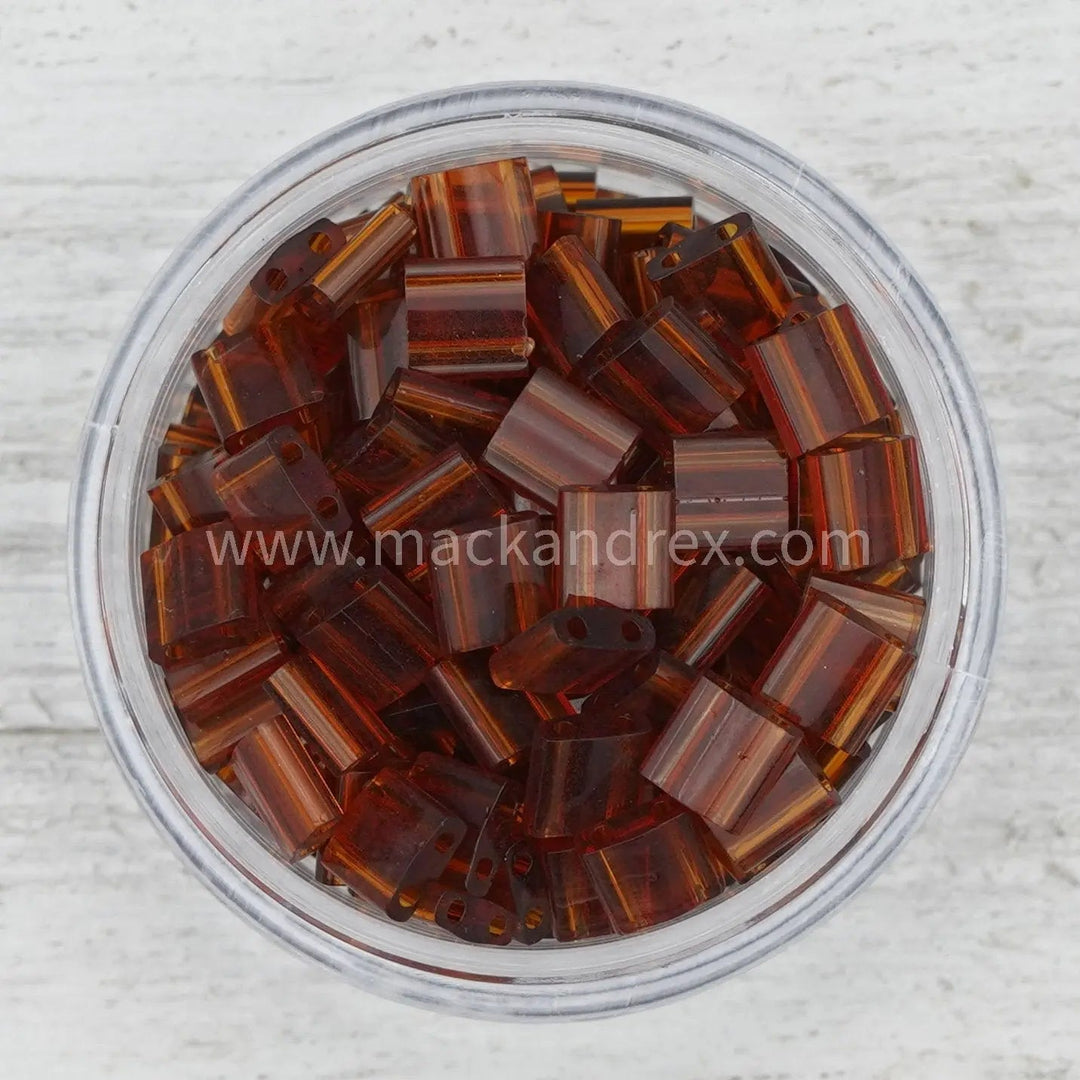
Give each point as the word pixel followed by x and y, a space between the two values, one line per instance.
pixel 614 546
pixel 391 841
pixel 214 735
pixel 181 443
pixel 496 725
pixel 731 486
pixel 377 346
pixel 285 788
pixel 487 583
pixel 896 613
pixel 547 189
pixel 713 603
pixel 382 452
pixel 479 799
pixel 524 871
pixel 472 918
pixel 641 218
pixel 419 720
pixel 455 411
pixel 347 729
pixel 576 909
pixel 834 673
pixel 446 491
pixel 278 489
pixel 654 688
pixel 572 302
pixel 650 867
pixel 799 800
pixel 381 642
pixel 246 310
pixel 572 651
pixel 720 753
pixel 476 210
pixel 599 235
pixel 195 604
pixel 251 387
pixel 554 436
pixel 466 317
pixel 863 502
pixel 294 261
pixel 202 688
pixel 196 414
pixel 729 267
pixel 582 771
pixel 577 184
pixel 186 498
pixel 819 380
pixel 663 372
pixel 381 240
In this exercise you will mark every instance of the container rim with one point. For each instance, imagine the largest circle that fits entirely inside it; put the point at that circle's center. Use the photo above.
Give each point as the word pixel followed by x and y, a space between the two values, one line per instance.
pixel 968 665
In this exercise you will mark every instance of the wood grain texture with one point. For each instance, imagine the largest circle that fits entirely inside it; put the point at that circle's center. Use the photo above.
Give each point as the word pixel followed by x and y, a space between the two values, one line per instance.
pixel 953 124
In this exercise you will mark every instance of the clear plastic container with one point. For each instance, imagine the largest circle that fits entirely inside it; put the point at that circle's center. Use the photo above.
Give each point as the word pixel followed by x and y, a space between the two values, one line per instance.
pixel 640 144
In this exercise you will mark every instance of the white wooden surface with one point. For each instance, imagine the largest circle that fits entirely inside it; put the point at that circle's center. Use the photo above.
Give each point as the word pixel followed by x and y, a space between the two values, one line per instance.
pixel 954 124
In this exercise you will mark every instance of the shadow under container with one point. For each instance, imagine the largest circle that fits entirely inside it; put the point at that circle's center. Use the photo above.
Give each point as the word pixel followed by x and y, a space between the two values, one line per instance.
pixel 642 146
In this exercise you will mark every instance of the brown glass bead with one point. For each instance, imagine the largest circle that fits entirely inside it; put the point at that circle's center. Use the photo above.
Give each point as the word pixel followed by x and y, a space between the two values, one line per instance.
pixel 304 328
pixel 663 372
pixel 653 688
pixel 554 436
pixel 476 210
pixel 186 498
pixel 285 788
pixel 799 800
pixel 572 302
pixel 582 771
pixel 497 726
pixel 862 502
pixel 392 839
pixel 524 871
pixel 650 868
pixel 834 673
pixel 466 317
pixel 456 411
pixel 196 414
pixel 487 584
pixel 277 489
pixel 214 735
pixel 547 189
pixel 732 489
pixel 720 753
pixel 572 651
pixel 295 260
pixel 641 218
pixel 377 345
pixel 729 267
pixel 713 603
pixel 196 605
pixel 576 909
pixel 600 235
pixel 200 689
pixel 480 800
pixel 614 547
pixel 251 387
pixel 383 452
pixel 448 490
pixel 380 241
pixel 473 918
pixel 819 380
pixel 380 642
pixel 181 443
pixel 897 613
pixel 838 766
pixel 246 310
pixel 346 728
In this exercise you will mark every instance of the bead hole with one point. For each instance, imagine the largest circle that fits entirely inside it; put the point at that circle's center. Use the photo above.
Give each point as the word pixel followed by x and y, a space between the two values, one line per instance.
pixel 444 843
pixel 577 628
pixel 522 864
pixel 484 869
pixel 327 506
pixel 291 453
pixel 276 279
pixel 533 919
pixel 631 631
pixel 455 911
pixel 320 243
pixel 497 926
